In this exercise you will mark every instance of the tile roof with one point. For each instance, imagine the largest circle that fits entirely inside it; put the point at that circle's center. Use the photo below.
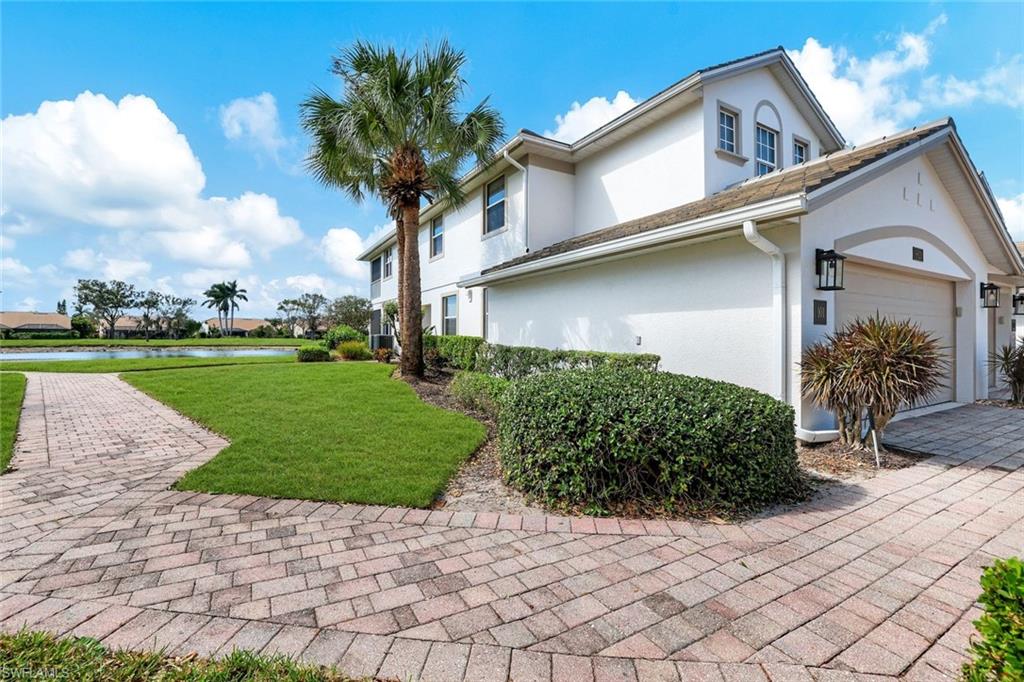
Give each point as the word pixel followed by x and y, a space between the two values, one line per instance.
pixel 804 177
pixel 32 320
pixel 241 323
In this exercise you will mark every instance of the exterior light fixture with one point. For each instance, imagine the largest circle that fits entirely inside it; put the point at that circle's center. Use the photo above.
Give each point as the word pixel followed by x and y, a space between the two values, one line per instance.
pixel 828 266
pixel 1018 303
pixel 989 295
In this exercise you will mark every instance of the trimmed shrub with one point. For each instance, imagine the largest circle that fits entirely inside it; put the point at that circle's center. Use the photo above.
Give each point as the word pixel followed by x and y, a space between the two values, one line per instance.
pixel 999 654
pixel 384 355
pixel 313 352
pixel 477 391
pixel 354 350
pixel 515 362
pixel 616 434
pixel 24 336
pixel 342 333
pixel 457 351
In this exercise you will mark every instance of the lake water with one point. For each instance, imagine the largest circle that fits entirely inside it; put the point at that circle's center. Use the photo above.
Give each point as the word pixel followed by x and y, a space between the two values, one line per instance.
pixel 136 353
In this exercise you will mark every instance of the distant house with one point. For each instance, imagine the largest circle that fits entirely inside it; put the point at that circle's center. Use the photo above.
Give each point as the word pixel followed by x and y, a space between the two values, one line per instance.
pixel 242 326
pixel 34 322
pixel 125 326
pixel 299 330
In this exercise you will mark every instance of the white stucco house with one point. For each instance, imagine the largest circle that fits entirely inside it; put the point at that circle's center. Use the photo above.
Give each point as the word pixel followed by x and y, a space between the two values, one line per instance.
pixel 693 226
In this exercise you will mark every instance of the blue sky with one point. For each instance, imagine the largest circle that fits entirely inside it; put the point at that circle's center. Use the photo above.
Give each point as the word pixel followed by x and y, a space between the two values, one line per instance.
pixel 159 143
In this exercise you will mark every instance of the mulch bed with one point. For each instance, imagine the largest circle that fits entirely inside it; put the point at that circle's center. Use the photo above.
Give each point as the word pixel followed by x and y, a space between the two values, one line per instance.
pixel 833 460
pixel 1002 403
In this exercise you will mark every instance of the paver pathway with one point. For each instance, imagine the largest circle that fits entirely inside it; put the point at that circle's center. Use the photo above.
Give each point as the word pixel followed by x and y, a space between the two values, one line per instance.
pixel 875 578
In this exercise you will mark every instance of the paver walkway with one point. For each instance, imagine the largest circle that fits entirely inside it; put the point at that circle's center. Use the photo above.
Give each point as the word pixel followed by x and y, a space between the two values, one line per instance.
pixel 879 577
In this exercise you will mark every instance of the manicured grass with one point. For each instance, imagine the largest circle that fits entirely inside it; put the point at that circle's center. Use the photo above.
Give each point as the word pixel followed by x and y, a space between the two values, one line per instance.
pixel 136 364
pixel 38 655
pixel 154 343
pixel 341 431
pixel 12 392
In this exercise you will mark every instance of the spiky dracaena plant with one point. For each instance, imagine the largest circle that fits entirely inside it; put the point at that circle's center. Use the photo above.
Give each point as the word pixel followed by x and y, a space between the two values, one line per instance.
pixel 397 134
pixel 870 369
pixel 1009 362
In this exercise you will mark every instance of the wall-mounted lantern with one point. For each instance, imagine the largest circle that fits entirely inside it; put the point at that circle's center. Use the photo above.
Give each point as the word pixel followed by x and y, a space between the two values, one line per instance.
pixel 1018 303
pixel 828 266
pixel 989 295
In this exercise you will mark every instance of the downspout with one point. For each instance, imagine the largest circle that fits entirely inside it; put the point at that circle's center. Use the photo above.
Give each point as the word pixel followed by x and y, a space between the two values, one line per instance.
pixel 526 198
pixel 778 298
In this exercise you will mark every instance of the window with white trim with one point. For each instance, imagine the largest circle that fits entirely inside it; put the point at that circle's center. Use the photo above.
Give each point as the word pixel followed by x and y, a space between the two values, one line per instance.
pixel 727 127
pixel 387 264
pixel 799 151
pixel 437 237
pixel 449 315
pixel 494 205
pixel 766 147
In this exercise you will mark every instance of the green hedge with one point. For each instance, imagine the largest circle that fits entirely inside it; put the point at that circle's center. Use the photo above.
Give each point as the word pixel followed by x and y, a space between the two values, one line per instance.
pixel 313 352
pixel 456 351
pixel 354 350
pixel 477 391
pixel 22 336
pixel 616 434
pixel 515 362
pixel 999 654
pixel 342 333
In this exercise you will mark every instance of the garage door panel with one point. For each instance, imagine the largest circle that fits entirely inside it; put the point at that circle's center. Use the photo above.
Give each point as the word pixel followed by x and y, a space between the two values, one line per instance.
pixel 928 302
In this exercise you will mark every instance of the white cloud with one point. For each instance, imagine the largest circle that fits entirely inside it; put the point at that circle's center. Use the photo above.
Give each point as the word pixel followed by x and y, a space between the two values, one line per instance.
pixel 87 261
pixel 200 279
pixel 126 166
pixel 585 118
pixel 84 260
pixel 1002 83
pixel 254 121
pixel 125 269
pixel 341 245
pixel 13 270
pixel 6 243
pixel 29 304
pixel 1012 209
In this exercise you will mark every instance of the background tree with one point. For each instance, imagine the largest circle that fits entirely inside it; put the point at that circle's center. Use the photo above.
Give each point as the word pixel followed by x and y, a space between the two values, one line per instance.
pixel 397 134
pixel 288 315
pixel 108 300
pixel 84 325
pixel 62 307
pixel 310 309
pixel 233 294
pixel 174 314
pixel 217 299
pixel 351 310
pixel 149 305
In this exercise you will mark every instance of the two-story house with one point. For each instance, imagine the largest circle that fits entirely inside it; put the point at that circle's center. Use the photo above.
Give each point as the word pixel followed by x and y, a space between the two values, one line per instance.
pixel 725 225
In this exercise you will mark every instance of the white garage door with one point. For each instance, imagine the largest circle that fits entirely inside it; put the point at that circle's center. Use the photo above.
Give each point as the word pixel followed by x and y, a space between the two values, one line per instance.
pixel 928 302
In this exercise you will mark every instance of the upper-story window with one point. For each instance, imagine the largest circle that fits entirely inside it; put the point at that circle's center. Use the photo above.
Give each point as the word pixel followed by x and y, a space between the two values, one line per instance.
pixel 494 205
pixel 376 265
pixel 387 264
pixel 437 237
pixel 449 315
pixel 799 151
pixel 728 125
pixel 767 150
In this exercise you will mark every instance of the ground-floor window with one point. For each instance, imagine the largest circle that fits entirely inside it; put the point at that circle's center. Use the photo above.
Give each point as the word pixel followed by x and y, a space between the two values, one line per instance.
pixel 449 315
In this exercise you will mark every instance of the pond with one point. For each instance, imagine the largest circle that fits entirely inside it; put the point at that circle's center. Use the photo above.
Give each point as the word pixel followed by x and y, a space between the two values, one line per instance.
pixel 136 353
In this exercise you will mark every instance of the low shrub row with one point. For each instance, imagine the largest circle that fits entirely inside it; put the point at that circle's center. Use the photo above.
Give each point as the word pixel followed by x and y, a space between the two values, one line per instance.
pixel 459 352
pixel 313 352
pixel 22 336
pixel 615 434
pixel 354 350
pixel 477 391
pixel 342 333
pixel 999 653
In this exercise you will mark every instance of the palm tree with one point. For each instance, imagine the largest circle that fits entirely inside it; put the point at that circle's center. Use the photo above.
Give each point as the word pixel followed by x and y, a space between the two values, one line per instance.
pixel 232 294
pixel 216 297
pixel 396 134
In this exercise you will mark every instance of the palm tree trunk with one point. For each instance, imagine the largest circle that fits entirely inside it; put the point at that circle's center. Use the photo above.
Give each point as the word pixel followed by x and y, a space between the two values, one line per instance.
pixel 410 312
pixel 400 239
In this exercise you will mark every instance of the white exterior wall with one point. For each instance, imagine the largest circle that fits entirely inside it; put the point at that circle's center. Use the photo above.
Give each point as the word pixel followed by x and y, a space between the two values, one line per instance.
pixel 706 308
pixel 552 206
pixel 655 169
pixel 880 203
pixel 744 93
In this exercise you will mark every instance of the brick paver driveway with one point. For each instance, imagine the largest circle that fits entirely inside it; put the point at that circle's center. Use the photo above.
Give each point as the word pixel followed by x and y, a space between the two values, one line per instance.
pixel 878 577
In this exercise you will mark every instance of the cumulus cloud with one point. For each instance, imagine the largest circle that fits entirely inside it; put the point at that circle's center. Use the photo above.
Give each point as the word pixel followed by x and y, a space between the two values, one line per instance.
pixel 29 304
pixel 126 269
pixel 13 270
pixel 588 117
pixel 89 262
pixel 341 245
pixel 124 165
pixel 254 121
pixel 1012 209
pixel 1002 84
pixel 83 260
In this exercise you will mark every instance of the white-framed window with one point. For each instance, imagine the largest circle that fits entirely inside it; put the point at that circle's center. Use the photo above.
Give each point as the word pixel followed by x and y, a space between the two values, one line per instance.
pixel 437 237
pixel 387 264
pixel 766 146
pixel 375 268
pixel 449 315
pixel 494 205
pixel 799 151
pixel 728 130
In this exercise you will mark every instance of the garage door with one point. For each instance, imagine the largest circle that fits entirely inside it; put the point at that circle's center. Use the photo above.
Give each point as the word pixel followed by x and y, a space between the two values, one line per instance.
pixel 928 302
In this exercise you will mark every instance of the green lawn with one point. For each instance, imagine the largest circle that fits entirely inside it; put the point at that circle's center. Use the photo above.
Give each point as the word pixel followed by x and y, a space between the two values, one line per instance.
pixel 136 364
pixel 12 392
pixel 38 655
pixel 343 432
pixel 228 341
